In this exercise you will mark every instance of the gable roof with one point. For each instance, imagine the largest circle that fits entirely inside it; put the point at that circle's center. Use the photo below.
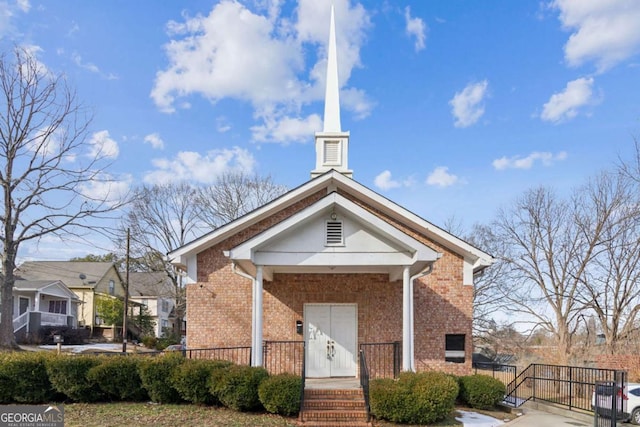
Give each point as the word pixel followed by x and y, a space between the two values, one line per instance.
pixel 74 274
pixel 332 181
pixel 153 284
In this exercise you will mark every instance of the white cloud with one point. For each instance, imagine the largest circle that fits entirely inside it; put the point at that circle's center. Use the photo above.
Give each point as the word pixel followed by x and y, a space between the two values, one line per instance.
pixel 107 188
pixel 222 55
pixel 24 5
pixel 564 105
pixel 605 32
pixel 467 107
pixel 154 139
pixel 222 124
pixel 77 59
pixel 441 177
pixel 287 129
pixel 384 181
pixel 102 145
pixel 415 27
pixel 517 162
pixel 192 166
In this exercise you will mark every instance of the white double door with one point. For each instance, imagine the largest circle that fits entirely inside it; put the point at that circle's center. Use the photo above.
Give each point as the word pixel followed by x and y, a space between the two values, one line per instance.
pixel 330 333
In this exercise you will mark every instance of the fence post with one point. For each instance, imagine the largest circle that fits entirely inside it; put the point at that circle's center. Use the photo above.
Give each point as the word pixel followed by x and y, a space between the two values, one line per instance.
pixel 570 387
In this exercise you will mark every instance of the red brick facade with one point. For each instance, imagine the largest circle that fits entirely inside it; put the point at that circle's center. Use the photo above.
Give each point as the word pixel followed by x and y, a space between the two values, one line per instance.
pixel 219 304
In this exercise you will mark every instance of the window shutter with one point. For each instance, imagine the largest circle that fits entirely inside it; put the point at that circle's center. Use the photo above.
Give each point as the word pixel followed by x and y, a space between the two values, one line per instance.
pixel 334 233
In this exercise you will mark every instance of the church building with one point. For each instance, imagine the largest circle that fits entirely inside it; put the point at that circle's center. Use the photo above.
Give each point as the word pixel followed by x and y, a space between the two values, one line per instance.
pixel 333 268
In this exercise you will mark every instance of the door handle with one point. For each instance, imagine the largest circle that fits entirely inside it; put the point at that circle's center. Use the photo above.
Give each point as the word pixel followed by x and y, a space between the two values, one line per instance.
pixel 329 349
pixel 333 349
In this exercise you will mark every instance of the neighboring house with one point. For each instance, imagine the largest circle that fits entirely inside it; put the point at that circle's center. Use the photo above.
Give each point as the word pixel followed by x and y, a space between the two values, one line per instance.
pixel 336 265
pixel 38 303
pixel 154 291
pixel 89 280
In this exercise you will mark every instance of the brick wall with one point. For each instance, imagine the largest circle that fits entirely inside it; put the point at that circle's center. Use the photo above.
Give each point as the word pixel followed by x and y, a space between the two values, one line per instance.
pixel 626 362
pixel 219 304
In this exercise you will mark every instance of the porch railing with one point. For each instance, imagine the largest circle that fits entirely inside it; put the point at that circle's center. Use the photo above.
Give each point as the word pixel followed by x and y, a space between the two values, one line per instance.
pixel 52 319
pixel 281 357
pixel 384 358
pixel 20 322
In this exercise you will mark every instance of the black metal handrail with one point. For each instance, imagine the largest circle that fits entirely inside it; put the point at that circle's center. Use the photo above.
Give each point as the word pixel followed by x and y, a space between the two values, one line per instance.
pixel 569 386
pixel 364 382
pixel 303 374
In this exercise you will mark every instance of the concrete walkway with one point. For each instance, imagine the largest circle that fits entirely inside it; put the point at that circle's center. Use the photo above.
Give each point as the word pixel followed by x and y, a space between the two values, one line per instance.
pixel 537 418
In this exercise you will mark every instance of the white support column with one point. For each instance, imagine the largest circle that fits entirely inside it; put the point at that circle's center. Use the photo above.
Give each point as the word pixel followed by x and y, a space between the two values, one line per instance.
pixel 256 350
pixel 412 324
pixel 407 338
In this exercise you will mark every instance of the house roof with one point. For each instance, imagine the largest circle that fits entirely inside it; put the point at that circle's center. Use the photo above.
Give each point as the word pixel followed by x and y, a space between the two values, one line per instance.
pixel 332 181
pixel 74 274
pixel 42 286
pixel 154 284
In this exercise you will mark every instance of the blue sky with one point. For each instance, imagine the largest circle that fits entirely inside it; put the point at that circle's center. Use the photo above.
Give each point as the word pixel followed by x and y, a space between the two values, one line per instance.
pixel 454 107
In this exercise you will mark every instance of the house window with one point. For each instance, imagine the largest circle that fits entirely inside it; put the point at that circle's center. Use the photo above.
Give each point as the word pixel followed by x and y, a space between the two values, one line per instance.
pixel 334 236
pixel 454 348
pixel 165 305
pixel 112 287
pixel 332 152
pixel 165 323
pixel 59 307
pixel 145 302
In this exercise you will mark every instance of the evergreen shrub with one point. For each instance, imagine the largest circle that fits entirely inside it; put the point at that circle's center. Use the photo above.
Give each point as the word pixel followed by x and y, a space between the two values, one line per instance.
pixel 157 374
pixel 481 391
pixel 237 387
pixel 119 378
pixel 68 375
pixel 280 394
pixel 192 379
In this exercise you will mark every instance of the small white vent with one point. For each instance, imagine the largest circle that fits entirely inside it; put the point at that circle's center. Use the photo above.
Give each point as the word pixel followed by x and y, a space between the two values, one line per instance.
pixel 332 152
pixel 334 233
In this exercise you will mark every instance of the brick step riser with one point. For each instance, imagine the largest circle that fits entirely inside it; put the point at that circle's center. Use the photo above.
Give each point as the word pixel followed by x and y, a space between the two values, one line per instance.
pixel 334 416
pixel 337 424
pixel 342 406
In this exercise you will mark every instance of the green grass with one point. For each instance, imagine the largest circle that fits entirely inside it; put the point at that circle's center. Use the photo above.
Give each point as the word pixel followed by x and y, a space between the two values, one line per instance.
pixel 148 414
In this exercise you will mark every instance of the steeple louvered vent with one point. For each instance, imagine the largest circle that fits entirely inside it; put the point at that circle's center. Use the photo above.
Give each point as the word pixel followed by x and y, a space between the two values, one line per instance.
pixel 332 155
pixel 334 233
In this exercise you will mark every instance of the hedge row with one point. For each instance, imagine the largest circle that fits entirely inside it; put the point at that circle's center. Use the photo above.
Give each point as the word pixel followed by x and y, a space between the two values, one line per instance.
pixel 427 397
pixel 32 378
pixel 44 377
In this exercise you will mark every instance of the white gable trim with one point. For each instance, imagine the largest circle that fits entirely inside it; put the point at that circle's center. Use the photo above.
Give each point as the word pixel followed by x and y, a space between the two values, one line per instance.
pixel 412 253
pixel 332 181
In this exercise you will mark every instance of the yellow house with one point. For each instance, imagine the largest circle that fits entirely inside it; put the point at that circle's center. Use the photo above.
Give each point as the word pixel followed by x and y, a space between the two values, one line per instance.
pixel 88 280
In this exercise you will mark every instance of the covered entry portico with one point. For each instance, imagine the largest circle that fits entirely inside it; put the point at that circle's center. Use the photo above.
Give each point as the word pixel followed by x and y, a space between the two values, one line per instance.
pixel 333 237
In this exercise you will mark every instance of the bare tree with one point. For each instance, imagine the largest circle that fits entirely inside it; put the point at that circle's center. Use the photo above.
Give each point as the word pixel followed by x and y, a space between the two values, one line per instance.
pixel 47 167
pixel 162 218
pixel 610 284
pixel 235 194
pixel 549 245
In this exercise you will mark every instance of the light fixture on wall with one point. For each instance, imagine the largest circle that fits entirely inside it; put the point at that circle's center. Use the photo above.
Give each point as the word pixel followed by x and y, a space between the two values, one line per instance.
pixel 333 215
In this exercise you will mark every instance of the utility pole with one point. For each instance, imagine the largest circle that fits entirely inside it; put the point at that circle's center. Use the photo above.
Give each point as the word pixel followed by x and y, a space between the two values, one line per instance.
pixel 126 298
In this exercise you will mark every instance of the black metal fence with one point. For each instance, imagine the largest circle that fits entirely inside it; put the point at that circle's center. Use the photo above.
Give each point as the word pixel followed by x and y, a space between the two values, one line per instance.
pixel 281 357
pixel 237 355
pixel 383 358
pixel 569 386
pixel 504 373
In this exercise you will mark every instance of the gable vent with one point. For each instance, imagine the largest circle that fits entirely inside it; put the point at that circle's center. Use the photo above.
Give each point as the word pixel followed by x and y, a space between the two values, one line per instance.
pixel 334 233
pixel 332 152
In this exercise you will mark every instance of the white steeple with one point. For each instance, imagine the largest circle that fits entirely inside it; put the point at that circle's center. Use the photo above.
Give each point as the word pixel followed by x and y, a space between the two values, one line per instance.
pixel 332 144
